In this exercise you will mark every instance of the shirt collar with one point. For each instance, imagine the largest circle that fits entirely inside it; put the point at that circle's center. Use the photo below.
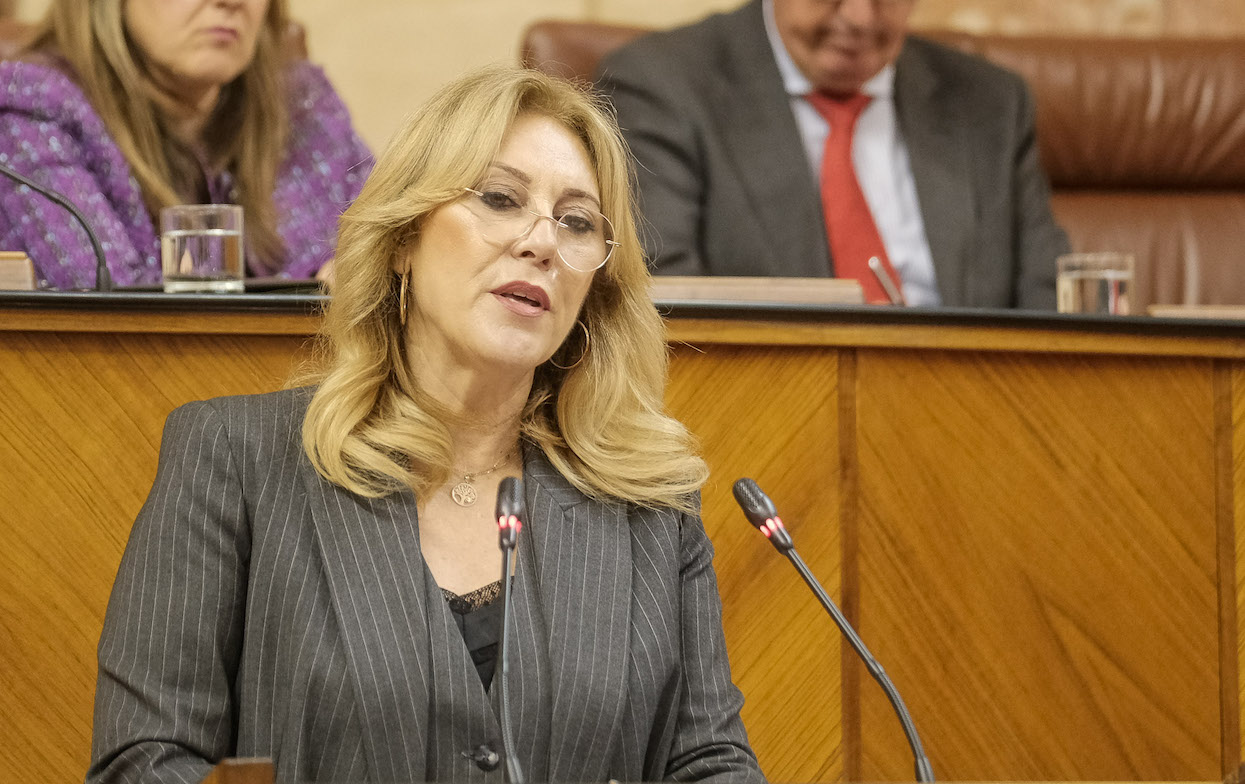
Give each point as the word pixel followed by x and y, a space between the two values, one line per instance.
pixel 882 85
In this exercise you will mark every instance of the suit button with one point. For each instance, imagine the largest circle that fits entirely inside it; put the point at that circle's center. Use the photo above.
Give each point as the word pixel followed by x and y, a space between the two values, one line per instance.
pixel 484 757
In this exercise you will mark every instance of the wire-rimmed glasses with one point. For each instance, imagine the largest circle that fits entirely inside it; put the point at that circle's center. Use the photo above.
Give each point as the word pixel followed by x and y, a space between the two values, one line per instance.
pixel 584 237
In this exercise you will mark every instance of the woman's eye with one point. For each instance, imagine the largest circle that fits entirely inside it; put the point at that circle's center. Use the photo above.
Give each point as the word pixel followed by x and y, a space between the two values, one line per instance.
pixel 498 200
pixel 579 222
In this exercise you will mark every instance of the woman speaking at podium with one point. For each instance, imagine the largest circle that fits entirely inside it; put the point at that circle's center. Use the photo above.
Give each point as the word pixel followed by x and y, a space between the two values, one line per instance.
pixel 310 578
pixel 127 106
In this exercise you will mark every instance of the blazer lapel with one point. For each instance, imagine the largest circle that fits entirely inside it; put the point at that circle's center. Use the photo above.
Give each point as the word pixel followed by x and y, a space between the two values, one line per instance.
pixel 757 128
pixel 941 166
pixel 375 572
pixel 582 566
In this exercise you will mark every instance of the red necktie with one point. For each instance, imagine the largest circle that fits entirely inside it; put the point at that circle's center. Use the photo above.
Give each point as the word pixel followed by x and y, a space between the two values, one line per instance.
pixel 853 235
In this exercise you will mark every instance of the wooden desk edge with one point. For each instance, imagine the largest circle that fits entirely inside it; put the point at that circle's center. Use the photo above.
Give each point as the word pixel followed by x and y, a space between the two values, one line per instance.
pixel 205 322
pixel 1089 339
pixel 1025 339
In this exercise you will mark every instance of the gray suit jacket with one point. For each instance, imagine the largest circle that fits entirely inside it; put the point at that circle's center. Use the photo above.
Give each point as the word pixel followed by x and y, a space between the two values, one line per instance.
pixel 261 611
pixel 726 189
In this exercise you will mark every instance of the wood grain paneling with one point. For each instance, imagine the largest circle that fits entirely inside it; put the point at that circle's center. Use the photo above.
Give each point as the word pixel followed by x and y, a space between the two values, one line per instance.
pixel 206 322
pixel 1225 524
pixel 1237 450
pixel 1038 564
pixel 1022 521
pixel 849 532
pixel 844 333
pixel 781 431
pixel 80 423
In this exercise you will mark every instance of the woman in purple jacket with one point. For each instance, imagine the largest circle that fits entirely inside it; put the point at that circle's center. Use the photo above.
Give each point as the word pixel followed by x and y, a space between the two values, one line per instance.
pixel 127 106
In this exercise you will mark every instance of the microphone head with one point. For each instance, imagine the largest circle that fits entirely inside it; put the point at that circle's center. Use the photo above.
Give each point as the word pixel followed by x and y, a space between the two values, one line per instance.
pixel 761 513
pixel 511 511
pixel 755 503
pixel 510 498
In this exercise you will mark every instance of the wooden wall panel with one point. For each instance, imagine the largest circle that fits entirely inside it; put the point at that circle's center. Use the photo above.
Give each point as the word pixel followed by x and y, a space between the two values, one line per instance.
pixel 1031 637
pixel 1225 523
pixel 1237 469
pixel 80 423
pixel 771 414
pixel 1038 556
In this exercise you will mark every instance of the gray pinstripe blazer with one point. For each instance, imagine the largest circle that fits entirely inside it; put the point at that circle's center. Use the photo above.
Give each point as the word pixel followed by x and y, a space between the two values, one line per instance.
pixel 261 611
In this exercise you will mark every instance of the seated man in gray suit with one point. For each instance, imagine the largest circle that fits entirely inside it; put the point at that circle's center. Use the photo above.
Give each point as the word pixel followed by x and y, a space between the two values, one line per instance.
pixel 933 172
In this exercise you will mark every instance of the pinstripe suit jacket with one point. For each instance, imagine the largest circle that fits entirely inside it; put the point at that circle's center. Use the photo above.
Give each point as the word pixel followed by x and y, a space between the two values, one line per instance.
pixel 260 610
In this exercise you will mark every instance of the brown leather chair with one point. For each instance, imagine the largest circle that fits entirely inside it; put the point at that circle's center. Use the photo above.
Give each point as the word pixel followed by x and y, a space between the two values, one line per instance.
pixel 1143 140
pixel 573 49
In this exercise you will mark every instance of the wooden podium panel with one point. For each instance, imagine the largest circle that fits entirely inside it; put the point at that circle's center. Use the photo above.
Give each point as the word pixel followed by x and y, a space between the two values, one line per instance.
pixel 81 414
pixel 1033 521
pixel 784 404
pixel 1040 531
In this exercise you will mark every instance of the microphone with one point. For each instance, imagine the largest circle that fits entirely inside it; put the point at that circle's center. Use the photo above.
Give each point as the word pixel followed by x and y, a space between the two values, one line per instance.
pixel 760 511
pixel 511 510
pixel 103 280
pixel 884 279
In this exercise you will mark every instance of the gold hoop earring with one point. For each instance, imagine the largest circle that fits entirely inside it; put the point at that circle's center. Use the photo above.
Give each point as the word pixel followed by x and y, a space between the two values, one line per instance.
pixel 584 353
pixel 402 298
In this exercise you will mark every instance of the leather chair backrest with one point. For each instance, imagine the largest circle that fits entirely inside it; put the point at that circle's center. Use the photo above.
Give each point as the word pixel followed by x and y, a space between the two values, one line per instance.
pixel 573 49
pixel 1144 142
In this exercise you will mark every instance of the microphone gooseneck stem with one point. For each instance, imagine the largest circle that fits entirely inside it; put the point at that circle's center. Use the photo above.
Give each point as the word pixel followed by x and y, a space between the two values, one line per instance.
pixel 886 282
pixel 103 279
pixel 511 511
pixel 924 771
pixel 514 773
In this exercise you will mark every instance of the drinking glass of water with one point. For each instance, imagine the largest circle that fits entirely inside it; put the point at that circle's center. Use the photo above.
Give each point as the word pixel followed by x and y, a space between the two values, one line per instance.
pixel 1095 283
pixel 201 248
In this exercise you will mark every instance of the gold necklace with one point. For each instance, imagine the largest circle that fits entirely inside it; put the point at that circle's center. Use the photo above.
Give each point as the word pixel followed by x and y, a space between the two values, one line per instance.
pixel 464 493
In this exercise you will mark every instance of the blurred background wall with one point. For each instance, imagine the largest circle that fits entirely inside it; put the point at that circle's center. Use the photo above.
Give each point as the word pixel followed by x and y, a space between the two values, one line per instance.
pixel 387 56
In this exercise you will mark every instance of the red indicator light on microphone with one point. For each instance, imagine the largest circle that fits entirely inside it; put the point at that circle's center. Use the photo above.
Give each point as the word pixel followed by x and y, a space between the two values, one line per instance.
pixel 510 522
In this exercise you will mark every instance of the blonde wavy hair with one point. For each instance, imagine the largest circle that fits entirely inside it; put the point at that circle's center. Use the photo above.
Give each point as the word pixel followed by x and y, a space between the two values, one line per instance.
pixel 246 134
pixel 370 427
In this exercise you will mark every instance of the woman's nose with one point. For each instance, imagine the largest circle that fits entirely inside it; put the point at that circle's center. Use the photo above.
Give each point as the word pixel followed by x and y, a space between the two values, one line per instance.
pixel 540 242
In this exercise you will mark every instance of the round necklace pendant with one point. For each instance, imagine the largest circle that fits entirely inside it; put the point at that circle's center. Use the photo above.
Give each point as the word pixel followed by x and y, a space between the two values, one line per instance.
pixel 464 494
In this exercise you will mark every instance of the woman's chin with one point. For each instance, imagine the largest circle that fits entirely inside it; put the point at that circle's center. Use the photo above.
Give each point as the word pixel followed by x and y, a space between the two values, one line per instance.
pixel 512 360
pixel 211 70
pixel 516 349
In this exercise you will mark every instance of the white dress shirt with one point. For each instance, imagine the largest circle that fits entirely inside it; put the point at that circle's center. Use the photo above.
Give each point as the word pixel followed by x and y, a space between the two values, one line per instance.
pixel 882 167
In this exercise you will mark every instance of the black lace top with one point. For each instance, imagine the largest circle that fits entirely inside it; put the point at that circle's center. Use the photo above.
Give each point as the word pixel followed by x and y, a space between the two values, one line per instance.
pixel 478 615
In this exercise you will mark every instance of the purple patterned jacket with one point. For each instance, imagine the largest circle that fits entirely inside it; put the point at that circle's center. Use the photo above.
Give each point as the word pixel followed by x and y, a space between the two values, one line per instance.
pixel 51 134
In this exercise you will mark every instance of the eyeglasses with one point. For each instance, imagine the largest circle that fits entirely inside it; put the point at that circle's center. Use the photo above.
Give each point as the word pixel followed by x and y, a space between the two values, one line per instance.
pixel 584 237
